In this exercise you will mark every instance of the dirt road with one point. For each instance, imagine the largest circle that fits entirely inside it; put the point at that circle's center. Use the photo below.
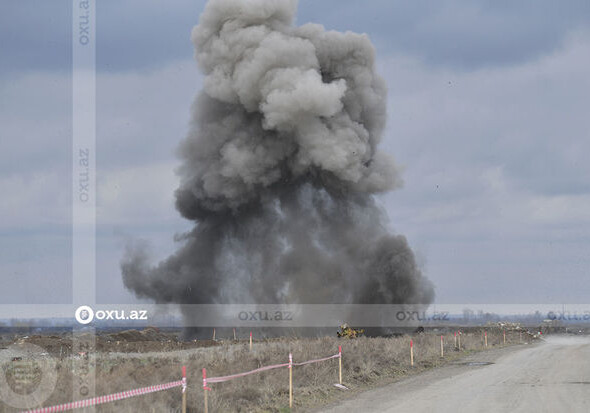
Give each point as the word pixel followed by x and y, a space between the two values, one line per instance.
pixel 553 376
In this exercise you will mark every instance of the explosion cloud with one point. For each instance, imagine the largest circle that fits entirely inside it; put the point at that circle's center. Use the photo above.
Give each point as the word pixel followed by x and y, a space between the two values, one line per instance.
pixel 280 169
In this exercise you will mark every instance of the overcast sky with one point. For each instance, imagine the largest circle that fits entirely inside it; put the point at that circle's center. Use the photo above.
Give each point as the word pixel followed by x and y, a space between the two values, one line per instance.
pixel 488 114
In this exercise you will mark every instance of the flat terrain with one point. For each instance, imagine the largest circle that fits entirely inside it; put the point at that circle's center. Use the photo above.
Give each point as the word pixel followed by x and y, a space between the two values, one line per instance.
pixel 133 359
pixel 553 376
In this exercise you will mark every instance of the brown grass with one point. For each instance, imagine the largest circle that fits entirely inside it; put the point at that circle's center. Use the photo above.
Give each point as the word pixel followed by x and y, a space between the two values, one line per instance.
pixel 366 362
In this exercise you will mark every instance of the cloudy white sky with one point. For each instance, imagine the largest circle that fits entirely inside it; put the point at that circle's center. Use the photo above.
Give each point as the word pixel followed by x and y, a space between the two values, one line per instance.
pixel 488 114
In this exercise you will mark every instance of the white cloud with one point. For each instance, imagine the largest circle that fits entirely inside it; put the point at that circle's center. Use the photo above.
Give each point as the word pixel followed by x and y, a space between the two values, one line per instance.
pixel 496 170
pixel 141 119
pixel 561 209
pixel 36 199
pixel 35 122
pixel 496 179
pixel 137 195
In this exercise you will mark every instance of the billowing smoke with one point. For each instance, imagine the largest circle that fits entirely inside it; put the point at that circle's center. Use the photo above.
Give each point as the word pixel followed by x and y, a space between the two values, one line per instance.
pixel 279 171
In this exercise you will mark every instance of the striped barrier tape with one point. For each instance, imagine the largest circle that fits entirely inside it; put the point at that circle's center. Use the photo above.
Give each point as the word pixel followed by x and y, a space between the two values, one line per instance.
pixel 335 356
pixel 235 376
pixel 221 379
pixel 109 398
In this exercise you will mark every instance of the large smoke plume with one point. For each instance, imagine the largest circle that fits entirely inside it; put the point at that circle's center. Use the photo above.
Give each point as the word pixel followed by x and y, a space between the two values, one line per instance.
pixel 279 171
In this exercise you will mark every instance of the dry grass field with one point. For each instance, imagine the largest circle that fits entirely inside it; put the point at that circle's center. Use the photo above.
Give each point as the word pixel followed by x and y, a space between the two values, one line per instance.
pixel 367 362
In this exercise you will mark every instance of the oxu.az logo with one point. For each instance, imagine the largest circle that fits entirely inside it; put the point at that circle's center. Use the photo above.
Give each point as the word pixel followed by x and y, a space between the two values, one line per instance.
pixel 85 315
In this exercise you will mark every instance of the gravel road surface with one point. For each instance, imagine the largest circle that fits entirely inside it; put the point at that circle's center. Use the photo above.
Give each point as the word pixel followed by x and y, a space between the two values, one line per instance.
pixel 553 376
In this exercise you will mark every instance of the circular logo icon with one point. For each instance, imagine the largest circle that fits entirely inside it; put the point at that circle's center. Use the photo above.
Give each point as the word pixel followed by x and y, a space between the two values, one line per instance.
pixel 84 314
pixel 27 375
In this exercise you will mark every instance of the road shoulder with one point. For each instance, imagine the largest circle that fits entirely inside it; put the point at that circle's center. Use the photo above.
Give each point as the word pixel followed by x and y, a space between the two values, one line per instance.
pixel 476 360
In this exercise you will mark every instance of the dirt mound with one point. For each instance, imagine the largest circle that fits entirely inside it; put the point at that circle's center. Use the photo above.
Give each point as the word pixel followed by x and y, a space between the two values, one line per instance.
pixel 127 341
pixel 148 334
pixel 52 344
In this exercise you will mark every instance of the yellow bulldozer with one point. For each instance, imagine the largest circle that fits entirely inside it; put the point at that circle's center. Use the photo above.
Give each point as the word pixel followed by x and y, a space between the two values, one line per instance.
pixel 349 332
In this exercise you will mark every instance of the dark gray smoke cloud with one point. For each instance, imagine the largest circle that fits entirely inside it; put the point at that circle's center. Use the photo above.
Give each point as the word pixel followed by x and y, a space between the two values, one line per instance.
pixel 279 171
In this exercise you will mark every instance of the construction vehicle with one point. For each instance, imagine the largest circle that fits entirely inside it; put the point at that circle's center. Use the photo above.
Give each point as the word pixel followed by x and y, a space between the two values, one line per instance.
pixel 349 332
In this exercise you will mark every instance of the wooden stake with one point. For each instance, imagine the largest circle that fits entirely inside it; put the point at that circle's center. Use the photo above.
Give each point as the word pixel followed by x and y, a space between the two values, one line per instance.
pixel 184 389
pixel 234 334
pixel 455 339
pixel 213 334
pixel 504 336
pixel 459 334
pixel 411 352
pixel 205 390
pixel 290 381
pixel 442 351
pixel 520 336
pixel 250 341
pixel 340 364
pixel 485 336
